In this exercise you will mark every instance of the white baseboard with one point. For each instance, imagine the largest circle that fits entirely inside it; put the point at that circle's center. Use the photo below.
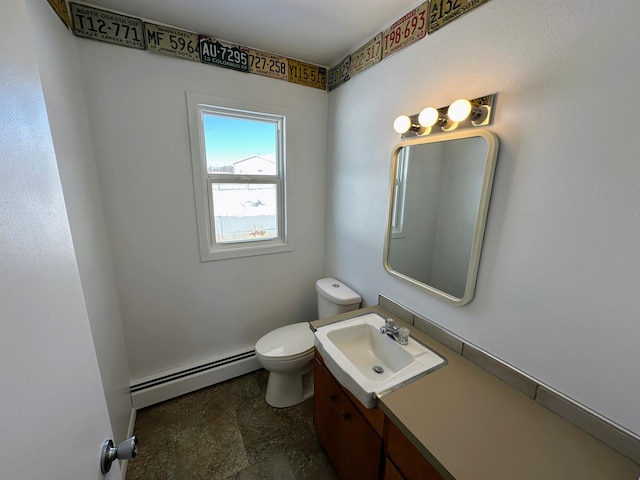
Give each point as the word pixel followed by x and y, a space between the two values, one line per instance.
pixel 164 386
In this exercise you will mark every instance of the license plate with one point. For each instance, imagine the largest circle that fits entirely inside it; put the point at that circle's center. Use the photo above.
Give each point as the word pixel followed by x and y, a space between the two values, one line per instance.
pixel 224 54
pixel 367 55
pixel 268 64
pixel 444 11
pixel 307 74
pixel 410 28
pixel 339 74
pixel 107 26
pixel 171 41
pixel 60 7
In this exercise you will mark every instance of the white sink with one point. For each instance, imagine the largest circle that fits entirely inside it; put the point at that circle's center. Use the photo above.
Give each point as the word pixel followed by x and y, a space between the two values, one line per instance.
pixel 368 363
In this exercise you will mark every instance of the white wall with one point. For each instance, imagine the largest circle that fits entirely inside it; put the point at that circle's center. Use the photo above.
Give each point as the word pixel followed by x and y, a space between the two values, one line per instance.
pixel 59 73
pixel 177 310
pixel 560 269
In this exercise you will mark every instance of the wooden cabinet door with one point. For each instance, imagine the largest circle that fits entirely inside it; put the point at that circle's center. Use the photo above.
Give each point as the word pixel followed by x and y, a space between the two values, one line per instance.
pixel 352 445
pixel 390 472
pixel 327 414
pixel 406 457
pixel 361 445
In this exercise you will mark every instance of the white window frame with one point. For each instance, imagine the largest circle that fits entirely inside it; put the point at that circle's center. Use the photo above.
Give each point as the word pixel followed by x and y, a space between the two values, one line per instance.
pixel 200 104
pixel 399 193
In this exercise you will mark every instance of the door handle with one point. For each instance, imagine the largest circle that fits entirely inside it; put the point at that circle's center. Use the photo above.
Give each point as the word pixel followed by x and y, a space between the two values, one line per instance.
pixel 124 451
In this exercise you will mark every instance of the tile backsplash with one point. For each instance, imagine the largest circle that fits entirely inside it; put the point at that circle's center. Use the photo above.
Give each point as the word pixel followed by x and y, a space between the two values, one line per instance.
pixel 597 426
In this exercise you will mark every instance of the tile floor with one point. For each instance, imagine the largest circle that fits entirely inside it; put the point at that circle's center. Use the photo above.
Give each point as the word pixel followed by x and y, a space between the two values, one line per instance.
pixel 227 431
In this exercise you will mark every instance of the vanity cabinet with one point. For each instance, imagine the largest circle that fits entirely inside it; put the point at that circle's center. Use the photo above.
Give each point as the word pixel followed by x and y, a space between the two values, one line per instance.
pixel 362 443
pixel 350 435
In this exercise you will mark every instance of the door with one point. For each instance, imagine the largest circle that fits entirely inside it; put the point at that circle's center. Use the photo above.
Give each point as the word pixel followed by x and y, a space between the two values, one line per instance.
pixel 53 415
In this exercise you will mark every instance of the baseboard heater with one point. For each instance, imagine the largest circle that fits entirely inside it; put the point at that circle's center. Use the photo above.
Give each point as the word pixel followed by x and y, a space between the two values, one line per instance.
pixel 165 386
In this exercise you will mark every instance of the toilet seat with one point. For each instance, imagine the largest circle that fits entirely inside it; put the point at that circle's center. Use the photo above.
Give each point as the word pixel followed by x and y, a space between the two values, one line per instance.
pixel 286 343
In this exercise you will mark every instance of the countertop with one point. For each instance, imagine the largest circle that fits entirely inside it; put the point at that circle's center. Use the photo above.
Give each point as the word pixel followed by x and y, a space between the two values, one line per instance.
pixel 473 426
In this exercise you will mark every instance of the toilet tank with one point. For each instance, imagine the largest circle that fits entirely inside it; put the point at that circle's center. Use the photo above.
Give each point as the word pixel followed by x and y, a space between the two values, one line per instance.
pixel 335 297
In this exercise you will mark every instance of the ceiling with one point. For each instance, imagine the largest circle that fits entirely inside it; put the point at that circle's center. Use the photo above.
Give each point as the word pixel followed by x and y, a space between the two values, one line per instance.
pixel 316 31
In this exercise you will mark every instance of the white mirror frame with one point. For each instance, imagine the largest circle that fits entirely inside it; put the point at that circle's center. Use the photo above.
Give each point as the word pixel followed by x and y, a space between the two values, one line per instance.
pixel 478 236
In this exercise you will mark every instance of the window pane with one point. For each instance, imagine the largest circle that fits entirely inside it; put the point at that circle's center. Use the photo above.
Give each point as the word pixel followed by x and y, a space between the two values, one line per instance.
pixel 240 146
pixel 245 212
pixel 397 218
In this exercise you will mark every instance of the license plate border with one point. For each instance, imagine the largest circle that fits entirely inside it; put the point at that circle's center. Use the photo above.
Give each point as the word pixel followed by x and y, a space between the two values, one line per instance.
pixel 195 56
pixel 115 40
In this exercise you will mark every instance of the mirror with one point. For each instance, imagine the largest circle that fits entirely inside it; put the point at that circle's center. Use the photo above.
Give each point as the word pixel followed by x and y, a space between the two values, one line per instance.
pixel 440 190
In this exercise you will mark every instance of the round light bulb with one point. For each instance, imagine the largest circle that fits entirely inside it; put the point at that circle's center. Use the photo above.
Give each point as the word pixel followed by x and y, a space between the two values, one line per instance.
pixel 402 124
pixel 428 117
pixel 459 110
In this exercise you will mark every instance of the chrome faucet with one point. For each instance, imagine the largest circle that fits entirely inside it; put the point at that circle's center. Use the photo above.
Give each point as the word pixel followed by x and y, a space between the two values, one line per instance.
pixel 399 334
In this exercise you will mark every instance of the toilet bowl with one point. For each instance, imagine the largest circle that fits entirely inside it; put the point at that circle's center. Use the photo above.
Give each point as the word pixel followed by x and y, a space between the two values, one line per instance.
pixel 287 354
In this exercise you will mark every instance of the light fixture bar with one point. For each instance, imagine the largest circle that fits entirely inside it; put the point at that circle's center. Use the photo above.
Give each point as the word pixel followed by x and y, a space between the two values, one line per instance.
pixel 462 113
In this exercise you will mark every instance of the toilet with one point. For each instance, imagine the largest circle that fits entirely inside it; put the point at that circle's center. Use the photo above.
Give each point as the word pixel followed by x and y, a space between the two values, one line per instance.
pixel 287 352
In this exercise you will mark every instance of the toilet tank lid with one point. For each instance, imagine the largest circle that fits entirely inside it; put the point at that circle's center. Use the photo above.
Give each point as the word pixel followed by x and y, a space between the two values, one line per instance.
pixel 337 292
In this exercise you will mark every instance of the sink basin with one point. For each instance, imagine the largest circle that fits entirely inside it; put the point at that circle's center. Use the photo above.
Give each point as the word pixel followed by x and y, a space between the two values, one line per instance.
pixel 368 363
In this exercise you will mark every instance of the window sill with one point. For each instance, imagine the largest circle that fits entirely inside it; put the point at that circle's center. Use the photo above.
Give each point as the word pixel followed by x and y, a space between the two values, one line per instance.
pixel 244 251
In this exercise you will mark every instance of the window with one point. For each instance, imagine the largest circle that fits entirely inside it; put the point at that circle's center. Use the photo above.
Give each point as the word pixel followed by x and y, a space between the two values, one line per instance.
pixel 239 172
pixel 399 187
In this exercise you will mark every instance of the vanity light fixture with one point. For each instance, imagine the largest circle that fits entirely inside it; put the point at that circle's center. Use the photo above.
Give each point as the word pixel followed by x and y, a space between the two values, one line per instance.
pixel 460 114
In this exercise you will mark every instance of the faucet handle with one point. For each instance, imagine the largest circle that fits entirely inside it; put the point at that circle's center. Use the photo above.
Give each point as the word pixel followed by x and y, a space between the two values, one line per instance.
pixel 389 323
pixel 403 335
